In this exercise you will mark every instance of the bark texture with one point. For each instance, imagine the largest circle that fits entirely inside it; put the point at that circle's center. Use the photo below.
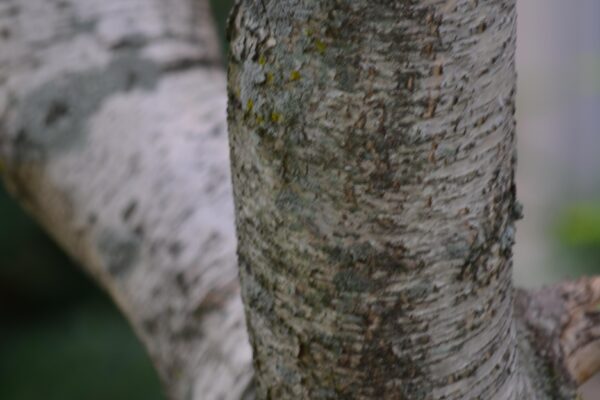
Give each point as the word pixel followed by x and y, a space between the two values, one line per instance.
pixel 565 321
pixel 112 134
pixel 373 159
pixel 373 149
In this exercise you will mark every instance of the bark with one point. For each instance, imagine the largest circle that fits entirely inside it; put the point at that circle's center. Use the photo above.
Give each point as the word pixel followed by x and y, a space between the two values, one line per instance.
pixel 112 134
pixel 373 148
pixel 565 320
pixel 373 159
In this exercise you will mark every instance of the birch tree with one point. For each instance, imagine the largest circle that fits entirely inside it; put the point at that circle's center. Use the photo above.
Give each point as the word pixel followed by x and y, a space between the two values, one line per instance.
pixel 373 155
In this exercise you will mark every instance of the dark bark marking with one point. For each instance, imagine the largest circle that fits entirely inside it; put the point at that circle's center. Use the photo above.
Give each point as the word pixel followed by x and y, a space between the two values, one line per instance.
pixel 119 253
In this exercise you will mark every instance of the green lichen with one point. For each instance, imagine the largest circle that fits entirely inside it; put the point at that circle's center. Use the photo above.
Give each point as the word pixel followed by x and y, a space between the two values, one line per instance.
pixel 349 281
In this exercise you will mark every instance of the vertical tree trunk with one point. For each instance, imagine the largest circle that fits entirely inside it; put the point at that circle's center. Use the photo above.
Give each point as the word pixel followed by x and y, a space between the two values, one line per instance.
pixel 373 157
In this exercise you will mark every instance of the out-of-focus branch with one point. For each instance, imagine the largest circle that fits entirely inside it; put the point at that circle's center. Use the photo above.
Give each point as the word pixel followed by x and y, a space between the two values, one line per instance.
pixel 113 136
pixel 565 322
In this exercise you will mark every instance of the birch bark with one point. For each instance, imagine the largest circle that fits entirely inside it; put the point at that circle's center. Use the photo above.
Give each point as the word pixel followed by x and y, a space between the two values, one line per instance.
pixel 112 134
pixel 373 156
pixel 373 160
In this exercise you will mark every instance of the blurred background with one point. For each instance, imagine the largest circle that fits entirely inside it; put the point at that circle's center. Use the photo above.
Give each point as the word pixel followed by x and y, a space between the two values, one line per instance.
pixel 61 338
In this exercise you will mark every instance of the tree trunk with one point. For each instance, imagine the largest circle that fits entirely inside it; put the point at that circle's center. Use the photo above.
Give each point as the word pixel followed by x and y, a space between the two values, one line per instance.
pixel 373 155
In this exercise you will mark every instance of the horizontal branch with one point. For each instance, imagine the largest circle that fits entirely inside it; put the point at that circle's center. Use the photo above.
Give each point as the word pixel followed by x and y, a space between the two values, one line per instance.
pixel 565 323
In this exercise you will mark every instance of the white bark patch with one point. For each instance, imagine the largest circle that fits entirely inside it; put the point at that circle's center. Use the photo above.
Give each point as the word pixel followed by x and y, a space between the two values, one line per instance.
pixel 113 135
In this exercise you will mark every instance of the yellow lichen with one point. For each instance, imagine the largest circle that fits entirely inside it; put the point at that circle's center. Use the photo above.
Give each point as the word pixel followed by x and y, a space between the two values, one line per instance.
pixel 295 75
pixel 275 117
pixel 270 78
pixel 320 46
pixel 262 60
pixel 250 105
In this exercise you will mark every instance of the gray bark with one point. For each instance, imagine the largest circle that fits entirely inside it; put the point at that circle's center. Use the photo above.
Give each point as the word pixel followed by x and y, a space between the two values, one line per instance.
pixel 373 150
pixel 373 159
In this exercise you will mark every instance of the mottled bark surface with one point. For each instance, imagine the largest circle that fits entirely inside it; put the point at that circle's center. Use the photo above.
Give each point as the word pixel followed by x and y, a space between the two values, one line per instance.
pixel 373 160
pixel 565 321
pixel 373 148
pixel 112 134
